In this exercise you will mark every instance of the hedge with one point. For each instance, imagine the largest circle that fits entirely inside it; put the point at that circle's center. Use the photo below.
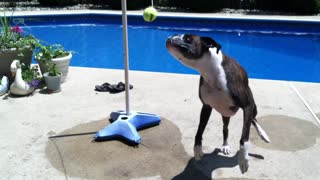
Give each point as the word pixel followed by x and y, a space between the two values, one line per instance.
pixel 302 7
pixel 131 4
pixel 290 6
pixel 194 5
pixel 293 6
pixel 58 2
pixel 114 4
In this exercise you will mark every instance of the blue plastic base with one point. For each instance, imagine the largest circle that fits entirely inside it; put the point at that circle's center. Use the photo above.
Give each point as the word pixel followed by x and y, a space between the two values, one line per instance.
pixel 127 126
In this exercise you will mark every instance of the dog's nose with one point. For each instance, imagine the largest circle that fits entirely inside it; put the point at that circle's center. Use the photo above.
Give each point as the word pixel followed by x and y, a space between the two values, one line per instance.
pixel 170 37
pixel 174 36
pixel 174 40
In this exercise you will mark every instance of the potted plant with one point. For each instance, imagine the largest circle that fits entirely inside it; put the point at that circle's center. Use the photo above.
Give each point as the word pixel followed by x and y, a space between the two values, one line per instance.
pixel 53 78
pixel 56 54
pixel 15 44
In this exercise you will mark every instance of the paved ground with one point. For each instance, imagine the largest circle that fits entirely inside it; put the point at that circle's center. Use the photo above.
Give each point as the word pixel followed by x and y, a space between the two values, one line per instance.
pixel 166 153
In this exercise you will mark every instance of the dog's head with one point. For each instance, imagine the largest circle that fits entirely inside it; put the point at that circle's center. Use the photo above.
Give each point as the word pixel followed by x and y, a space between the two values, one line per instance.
pixel 190 49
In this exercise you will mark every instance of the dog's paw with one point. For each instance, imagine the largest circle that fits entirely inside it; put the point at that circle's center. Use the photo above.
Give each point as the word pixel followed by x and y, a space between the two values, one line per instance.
pixel 226 149
pixel 243 158
pixel 243 164
pixel 197 152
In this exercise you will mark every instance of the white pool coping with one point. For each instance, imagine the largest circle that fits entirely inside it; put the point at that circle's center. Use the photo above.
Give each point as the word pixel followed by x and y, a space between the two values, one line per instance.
pixel 173 14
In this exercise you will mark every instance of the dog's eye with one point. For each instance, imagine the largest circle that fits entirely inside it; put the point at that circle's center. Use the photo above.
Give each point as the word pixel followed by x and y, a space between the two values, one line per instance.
pixel 187 38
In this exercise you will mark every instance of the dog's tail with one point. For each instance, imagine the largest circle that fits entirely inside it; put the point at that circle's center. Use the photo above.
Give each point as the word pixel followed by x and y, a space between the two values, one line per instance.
pixel 260 131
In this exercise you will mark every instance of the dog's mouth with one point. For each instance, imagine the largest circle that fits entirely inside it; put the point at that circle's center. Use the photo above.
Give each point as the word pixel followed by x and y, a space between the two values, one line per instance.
pixel 178 48
pixel 177 43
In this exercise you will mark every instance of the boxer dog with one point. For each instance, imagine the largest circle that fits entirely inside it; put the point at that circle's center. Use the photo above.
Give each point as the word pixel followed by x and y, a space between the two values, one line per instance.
pixel 223 86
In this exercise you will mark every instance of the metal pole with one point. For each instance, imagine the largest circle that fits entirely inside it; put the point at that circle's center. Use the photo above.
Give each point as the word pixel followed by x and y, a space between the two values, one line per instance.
pixel 126 52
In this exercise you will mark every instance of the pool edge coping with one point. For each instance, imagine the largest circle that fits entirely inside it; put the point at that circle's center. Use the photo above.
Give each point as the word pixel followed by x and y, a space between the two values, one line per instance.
pixel 217 16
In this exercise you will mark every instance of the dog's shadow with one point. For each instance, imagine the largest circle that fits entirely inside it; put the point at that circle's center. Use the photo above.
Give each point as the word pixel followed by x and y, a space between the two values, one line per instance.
pixel 204 168
pixel 210 162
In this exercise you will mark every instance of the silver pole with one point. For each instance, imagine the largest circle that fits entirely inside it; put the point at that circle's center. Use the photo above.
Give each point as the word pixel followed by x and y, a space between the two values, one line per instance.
pixel 126 52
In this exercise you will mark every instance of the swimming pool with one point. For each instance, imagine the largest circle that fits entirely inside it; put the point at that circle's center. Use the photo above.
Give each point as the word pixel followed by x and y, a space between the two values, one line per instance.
pixel 268 49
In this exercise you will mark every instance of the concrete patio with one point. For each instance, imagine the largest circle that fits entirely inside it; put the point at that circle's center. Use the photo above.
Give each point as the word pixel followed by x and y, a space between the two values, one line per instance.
pixel 167 150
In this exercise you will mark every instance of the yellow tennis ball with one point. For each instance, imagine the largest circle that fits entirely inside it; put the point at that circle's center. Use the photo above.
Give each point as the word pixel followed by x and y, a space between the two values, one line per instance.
pixel 150 14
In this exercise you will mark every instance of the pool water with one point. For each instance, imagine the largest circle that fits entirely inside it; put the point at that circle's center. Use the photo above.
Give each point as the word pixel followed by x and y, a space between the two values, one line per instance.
pixel 264 53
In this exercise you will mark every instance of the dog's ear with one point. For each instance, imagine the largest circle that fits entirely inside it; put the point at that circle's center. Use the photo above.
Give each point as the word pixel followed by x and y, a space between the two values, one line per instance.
pixel 210 43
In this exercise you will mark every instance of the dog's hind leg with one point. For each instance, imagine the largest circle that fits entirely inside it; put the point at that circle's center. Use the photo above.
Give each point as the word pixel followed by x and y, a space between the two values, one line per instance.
pixel 243 158
pixel 225 146
pixel 260 131
pixel 204 117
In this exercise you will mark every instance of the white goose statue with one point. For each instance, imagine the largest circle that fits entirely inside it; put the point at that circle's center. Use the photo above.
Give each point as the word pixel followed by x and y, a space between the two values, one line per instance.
pixel 19 86
pixel 4 85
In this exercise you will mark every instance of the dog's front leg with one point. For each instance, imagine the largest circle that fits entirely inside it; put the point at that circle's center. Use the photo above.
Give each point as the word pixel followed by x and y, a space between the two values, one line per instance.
pixel 225 146
pixel 243 158
pixel 204 117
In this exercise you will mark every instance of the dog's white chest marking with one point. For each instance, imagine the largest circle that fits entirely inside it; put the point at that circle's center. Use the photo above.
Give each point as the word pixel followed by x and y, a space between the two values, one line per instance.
pixel 214 90
pixel 218 99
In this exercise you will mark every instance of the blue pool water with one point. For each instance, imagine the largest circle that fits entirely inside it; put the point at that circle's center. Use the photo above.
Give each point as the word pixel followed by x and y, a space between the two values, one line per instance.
pixel 280 50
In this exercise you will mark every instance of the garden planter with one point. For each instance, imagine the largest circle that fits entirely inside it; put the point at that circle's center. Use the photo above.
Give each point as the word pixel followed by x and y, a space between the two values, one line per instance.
pixel 53 82
pixel 19 86
pixel 7 56
pixel 62 64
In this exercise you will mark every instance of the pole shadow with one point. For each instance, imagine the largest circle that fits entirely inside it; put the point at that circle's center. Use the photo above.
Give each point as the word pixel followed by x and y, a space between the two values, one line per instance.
pixel 204 168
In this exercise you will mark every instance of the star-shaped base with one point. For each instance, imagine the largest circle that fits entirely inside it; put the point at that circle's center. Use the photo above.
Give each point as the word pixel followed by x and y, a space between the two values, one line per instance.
pixel 127 126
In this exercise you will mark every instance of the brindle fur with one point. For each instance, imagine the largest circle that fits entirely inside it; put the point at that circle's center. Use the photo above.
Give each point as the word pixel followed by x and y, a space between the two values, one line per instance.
pixel 191 48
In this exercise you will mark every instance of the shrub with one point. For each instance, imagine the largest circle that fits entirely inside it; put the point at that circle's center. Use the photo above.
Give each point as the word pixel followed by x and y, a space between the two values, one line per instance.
pixel 58 2
pixel 168 3
pixel 233 4
pixel 197 5
pixel 12 3
pixel 305 6
pixel 99 2
pixel 131 4
pixel 293 6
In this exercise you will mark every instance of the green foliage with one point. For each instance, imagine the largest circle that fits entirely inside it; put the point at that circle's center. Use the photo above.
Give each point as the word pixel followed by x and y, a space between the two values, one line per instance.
pixel 58 2
pixel 29 74
pixel 204 5
pixel 131 4
pixel 5 25
pixel 99 2
pixel 53 70
pixel 14 37
pixel 302 7
pixel 294 6
pixel 198 5
pixel 47 53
